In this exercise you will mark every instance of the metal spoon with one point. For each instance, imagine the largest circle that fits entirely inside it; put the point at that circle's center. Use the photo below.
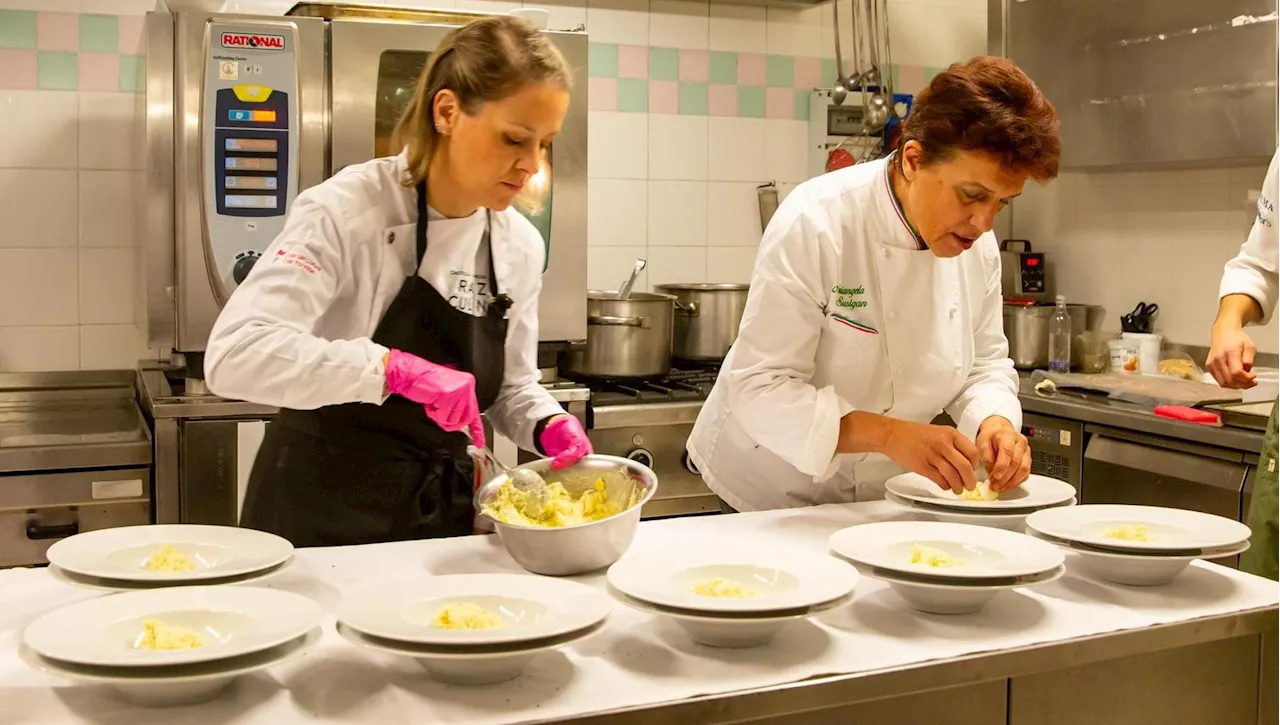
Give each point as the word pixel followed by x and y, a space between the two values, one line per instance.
pixel 624 291
pixel 525 480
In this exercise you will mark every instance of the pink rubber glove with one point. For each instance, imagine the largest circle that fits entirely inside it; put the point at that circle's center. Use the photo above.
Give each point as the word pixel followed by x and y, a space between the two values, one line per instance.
pixel 448 395
pixel 565 441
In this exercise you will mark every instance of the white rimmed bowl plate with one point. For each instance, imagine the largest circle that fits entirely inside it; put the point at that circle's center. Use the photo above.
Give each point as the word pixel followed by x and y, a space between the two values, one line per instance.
pixel 1168 529
pixel 216 552
pixel 984 552
pixel 1035 493
pixel 1009 521
pixel 1142 570
pixel 950 598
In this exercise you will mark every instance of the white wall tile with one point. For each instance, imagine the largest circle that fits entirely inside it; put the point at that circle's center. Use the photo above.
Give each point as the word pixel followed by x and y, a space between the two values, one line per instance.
pixel 39 349
pixel 39 208
pixel 107 286
pixel 618 21
pixel 39 129
pixel 617 213
pixel 827 36
pixel 733 215
pixel 678 24
pixel 618 145
pixel 38 287
pixel 730 264
pixel 737 150
pixel 793 32
pixel 112 347
pixel 108 131
pixel 108 208
pixel 923 34
pixel 678 147
pixel 608 267
pixel 786 150
pixel 677 213
pixel 738 28
pixel 668 265
pixel 563 14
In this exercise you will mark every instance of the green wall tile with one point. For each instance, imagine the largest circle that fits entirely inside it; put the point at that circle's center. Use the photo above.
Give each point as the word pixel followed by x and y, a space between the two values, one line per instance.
pixel 17 30
pixel 693 99
pixel 99 33
pixel 803 97
pixel 751 101
pixel 633 95
pixel 828 71
pixel 132 71
pixel 929 73
pixel 724 68
pixel 664 64
pixel 780 71
pixel 602 60
pixel 56 71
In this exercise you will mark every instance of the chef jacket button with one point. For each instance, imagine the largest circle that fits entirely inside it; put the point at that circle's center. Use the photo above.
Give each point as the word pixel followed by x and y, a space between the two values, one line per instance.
pixel 952 312
pixel 391 238
pixel 893 314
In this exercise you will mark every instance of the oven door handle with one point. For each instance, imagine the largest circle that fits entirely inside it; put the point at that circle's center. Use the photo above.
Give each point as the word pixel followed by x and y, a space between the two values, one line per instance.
pixel 36 532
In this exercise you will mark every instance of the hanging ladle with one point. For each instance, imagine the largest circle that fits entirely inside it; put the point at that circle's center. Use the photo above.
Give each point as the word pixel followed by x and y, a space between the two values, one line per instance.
pixel 624 292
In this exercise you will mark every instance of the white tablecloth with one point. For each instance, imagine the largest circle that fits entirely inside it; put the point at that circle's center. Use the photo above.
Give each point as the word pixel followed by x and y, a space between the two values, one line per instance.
pixel 635 660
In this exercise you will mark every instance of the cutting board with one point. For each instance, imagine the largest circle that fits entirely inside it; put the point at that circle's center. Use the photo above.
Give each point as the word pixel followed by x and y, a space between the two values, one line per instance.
pixel 1150 390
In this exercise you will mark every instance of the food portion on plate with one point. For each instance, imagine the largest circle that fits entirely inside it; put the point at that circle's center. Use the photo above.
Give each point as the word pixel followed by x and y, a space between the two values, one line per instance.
pixel 981 493
pixel 466 616
pixel 934 557
pixel 511 506
pixel 156 635
pixel 1129 532
pixel 168 559
pixel 722 587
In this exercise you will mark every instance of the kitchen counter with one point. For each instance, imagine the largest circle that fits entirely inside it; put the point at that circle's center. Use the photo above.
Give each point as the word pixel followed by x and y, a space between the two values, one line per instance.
pixel 1071 651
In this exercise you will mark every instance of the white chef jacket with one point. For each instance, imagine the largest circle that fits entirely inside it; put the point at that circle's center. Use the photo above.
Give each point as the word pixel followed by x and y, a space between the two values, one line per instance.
pixel 296 333
pixel 847 313
pixel 1254 270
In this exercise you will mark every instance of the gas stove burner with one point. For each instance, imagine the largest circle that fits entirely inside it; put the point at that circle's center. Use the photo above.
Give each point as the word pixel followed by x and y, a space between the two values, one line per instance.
pixel 677 386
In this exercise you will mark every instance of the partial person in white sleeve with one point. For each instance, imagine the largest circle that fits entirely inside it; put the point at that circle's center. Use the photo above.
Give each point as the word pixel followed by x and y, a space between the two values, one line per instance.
pixel 875 305
pixel 399 303
pixel 1247 296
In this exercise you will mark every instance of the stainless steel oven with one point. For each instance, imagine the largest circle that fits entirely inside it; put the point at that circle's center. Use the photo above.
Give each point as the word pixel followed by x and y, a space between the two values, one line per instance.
pixel 243 112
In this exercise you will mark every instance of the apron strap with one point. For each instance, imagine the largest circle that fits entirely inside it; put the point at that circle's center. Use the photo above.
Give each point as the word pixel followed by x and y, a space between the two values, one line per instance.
pixel 420 227
pixel 503 302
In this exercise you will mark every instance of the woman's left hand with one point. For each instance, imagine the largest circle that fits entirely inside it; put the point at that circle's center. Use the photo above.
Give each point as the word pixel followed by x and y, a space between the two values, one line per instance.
pixel 1005 453
pixel 565 440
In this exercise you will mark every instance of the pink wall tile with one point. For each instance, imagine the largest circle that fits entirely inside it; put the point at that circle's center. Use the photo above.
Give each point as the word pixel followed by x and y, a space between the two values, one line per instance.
pixel 722 100
pixel 808 72
pixel 602 94
pixel 130 29
pixel 633 61
pixel 779 103
pixel 99 72
pixel 17 69
pixel 58 31
pixel 694 65
pixel 664 97
pixel 751 69
pixel 910 78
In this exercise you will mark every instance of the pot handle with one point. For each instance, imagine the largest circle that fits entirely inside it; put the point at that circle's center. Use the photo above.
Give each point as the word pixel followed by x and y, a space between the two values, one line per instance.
pixel 688 309
pixel 611 321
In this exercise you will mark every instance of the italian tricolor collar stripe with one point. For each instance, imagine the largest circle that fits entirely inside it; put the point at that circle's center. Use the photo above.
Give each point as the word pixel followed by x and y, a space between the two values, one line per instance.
pixel 897 208
pixel 856 325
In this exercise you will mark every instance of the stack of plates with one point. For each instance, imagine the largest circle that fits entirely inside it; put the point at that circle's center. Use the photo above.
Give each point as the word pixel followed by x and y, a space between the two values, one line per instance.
pixel 920 495
pixel 534 614
pixel 745 600
pixel 982 561
pixel 1157 544
pixel 117 558
pixel 102 640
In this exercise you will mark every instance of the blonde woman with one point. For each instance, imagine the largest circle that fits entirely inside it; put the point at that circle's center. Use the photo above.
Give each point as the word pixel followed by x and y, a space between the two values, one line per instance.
pixel 399 303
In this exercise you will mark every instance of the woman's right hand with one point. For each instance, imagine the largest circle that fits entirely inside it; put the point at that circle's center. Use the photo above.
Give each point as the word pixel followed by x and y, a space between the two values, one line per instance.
pixel 939 453
pixel 447 395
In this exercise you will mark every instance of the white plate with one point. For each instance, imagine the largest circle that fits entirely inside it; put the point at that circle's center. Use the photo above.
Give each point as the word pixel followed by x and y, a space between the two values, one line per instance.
pixel 789 579
pixel 1035 493
pixel 1170 529
pixel 531 607
pixel 216 551
pixel 1013 521
pixel 119 585
pixel 986 552
pixel 461 668
pixel 233 621
pixel 936 598
pixel 177 685
pixel 1143 570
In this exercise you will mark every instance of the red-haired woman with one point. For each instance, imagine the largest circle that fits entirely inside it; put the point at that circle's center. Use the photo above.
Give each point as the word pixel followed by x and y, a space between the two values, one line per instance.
pixel 875 305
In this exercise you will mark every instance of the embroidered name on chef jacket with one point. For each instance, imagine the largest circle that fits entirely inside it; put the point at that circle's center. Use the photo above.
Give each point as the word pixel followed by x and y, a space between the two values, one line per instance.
pixel 469 293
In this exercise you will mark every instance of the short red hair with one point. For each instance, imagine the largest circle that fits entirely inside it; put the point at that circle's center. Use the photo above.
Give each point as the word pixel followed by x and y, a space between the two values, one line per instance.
pixel 987 105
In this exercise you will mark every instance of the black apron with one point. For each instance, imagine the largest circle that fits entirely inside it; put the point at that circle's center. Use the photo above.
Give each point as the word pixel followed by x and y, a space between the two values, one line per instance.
pixel 359 473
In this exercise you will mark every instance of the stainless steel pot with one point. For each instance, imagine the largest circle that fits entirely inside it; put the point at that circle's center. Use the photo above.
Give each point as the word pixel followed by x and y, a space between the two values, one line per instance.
pixel 626 339
pixel 707 319
pixel 1027 328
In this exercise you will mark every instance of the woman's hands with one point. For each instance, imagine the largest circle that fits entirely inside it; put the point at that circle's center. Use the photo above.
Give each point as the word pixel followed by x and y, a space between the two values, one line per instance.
pixel 940 453
pixel 1005 453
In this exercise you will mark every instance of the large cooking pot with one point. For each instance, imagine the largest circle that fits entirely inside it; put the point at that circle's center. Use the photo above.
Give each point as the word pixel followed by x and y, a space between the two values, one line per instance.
pixel 626 339
pixel 1027 328
pixel 707 319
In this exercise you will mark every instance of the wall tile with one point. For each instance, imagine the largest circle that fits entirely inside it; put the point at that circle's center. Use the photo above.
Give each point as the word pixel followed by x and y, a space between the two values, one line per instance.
pixel 679 23
pixel 633 61
pixel 108 208
pixel 807 73
pixel 633 95
pixel 779 70
pixel 722 67
pixel 58 31
pixel 922 34
pixel 107 286
pixel 751 101
pixel 602 60
pixel 779 103
pixel 44 208
pixel 602 94
pixel 130 35
pixel 678 147
pixel 752 69
pixel 18 30
pixel 133 72
pixel 677 213
pixel 618 145
pixel 693 99
pixel 108 131
pixel 787 150
pixel 618 21
pixel 99 33
pixel 664 97
pixel 722 100
pixel 39 349
pixel 737 28
pixel 737 150
pixel 669 265
pixel 19 70
pixel 793 32
pixel 733 215
pixel 694 66
pixel 98 72
pixel 38 287
pixel 664 64
pixel 617 213
pixel 112 347
pixel 730 265
pixel 56 71
pixel 39 129
pixel 607 267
